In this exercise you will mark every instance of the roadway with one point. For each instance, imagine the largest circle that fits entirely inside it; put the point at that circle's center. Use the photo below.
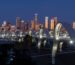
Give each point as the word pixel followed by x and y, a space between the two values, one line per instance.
pixel 39 57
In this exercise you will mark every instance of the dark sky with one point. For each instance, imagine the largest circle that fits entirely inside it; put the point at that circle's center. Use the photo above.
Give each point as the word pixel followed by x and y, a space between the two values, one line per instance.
pixel 63 9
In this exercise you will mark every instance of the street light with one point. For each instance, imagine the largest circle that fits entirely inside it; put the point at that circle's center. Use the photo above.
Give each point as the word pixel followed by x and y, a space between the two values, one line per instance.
pixel 57 38
pixel 71 41
pixel 41 36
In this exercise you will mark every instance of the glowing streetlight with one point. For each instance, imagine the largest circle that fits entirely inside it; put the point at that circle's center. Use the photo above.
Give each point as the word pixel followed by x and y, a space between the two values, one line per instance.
pixel 71 41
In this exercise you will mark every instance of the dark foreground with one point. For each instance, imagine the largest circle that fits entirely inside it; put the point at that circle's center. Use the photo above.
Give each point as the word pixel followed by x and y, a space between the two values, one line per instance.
pixel 37 58
pixel 10 54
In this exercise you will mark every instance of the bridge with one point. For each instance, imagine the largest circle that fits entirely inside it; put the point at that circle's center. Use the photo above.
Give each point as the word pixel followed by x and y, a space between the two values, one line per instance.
pixel 40 39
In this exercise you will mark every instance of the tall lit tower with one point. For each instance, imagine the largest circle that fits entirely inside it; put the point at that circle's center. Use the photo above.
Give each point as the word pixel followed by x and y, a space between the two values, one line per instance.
pixel 13 28
pixel 36 17
pixel 32 24
pixel 46 22
pixel 0 28
pixel 55 20
pixel 36 22
pixel 52 24
pixel 73 26
pixel 18 23
pixel 26 26
pixel 22 25
pixel 4 25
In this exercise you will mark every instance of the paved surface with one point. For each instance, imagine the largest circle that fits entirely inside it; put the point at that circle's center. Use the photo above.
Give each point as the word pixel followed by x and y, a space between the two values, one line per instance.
pixel 36 57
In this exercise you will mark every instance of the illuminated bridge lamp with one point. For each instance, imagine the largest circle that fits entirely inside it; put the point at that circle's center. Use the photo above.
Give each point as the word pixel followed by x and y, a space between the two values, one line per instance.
pixel 71 41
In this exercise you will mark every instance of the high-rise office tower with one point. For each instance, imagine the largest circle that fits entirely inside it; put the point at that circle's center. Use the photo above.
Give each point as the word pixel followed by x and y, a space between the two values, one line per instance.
pixel 36 22
pixel 22 25
pixel 13 28
pixel 36 17
pixel 55 21
pixel 4 23
pixel 0 28
pixel 46 22
pixel 52 24
pixel 37 27
pixel 26 26
pixel 6 26
pixel 33 24
pixel 18 23
pixel 73 26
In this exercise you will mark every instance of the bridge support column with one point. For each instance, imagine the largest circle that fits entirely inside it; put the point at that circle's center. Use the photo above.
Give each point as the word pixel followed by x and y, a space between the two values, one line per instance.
pixel 60 46
pixel 54 51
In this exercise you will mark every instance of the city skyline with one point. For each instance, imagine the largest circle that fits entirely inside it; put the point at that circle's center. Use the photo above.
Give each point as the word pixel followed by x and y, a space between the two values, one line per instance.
pixel 34 24
pixel 26 9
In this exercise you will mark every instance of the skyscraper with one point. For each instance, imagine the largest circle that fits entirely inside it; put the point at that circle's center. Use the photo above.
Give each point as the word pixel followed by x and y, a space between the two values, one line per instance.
pixel 36 17
pixel 0 28
pixel 26 26
pixel 13 28
pixel 37 27
pixel 6 26
pixel 36 22
pixel 73 26
pixel 4 23
pixel 33 24
pixel 46 22
pixel 18 23
pixel 52 24
pixel 22 25
pixel 55 21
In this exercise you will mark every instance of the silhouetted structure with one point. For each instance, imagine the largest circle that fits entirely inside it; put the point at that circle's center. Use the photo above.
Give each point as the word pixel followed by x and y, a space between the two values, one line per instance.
pixel 23 52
